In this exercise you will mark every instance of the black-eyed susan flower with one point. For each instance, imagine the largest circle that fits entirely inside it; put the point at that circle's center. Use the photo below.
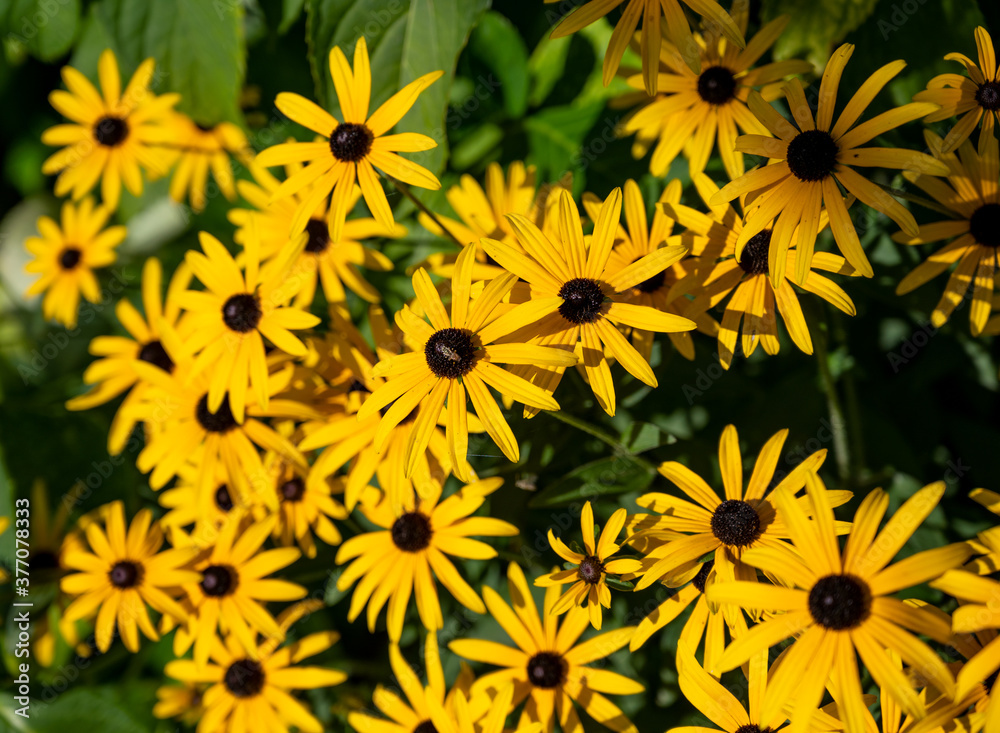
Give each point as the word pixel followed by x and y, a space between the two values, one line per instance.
pixel 200 511
pixel 229 321
pixel 233 587
pixel 304 509
pixel 122 572
pixel 333 264
pixel 457 359
pixel 351 150
pixel 839 603
pixel 634 241
pixel 677 30
pixel 575 299
pixel 251 690
pixel 202 149
pixel 971 98
pixel 410 549
pixel 812 156
pixel 974 198
pixel 113 136
pixel 547 666
pixel 151 339
pixel 66 256
pixel 698 111
pixel 184 702
pixel 756 299
pixel 589 576
pixel 728 527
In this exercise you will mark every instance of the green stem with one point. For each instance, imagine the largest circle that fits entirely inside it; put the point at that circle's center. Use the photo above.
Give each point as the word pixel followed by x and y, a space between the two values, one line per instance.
pixel 601 435
pixel 914 198
pixel 405 190
pixel 838 425
pixel 855 432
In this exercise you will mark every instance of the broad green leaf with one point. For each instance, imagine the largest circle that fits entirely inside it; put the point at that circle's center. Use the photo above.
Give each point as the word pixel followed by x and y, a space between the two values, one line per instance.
pixel 497 44
pixel 46 28
pixel 290 12
pixel 603 477
pixel 643 436
pixel 815 27
pixel 546 66
pixel 556 140
pixel 109 709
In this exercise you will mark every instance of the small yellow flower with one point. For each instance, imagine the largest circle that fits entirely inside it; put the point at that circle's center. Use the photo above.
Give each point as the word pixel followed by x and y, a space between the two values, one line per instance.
pixel 202 149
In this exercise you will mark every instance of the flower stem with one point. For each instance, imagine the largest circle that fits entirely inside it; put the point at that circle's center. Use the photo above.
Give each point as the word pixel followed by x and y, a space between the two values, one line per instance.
pixel 405 190
pixel 601 435
pixel 838 425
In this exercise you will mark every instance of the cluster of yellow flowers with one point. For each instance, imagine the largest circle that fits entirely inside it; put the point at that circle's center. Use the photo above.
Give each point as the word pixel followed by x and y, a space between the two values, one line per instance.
pixel 258 428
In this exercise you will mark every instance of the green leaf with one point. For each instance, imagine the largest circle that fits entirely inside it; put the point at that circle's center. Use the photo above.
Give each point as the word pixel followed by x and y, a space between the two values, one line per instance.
pixel 555 139
pixel 815 27
pixel 643 436
pixel 546 66
pixel 603 477
pixel 406 39
pixel 497 44
pixel 46 28
pixel 109 709
pixel 290 12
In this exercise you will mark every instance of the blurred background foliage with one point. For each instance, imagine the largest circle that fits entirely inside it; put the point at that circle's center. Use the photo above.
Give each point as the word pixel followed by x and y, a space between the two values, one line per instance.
pixel 897 403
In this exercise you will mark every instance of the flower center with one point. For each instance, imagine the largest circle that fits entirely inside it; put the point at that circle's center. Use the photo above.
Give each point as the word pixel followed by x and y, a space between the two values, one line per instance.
pixel 221 421
pixel 319 236
pixel 350 142
pixel 244 678
pixel 110 131
pixel 125 574
pixel 702 577
pixel 43 560
pixel 293 489
pixel 546 669
pixel 425 726
pixel 984 225
pixel 242 313
pixel 69 258
pixel 735 523
pixel 590 570
pixel 812 155
pixel 753 258
pixel 716 85
pixel 582 300
pixel 752 728
pixel 450 352
pixel 840 602
pixel 412 532
pixel 155 354
pixel 988 95
pixel 651 284
pixel 222 498
pixel 218 580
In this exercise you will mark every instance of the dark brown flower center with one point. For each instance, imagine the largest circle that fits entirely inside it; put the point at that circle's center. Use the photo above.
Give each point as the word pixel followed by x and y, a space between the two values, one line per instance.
pixel 812 155
pixel 70 257
pixel 702 577
pixel 425 726
pixel 988 95
pixel 716 85
pixel 753 258
pixel 218 580
pixel 319 236
pixel 412 532
pixel 984 225
pixel 546 669
pixel 155 354
pixel 242 313
pixel 735 523
pixel 110 131
pixel 752 728
pixel 582 300
pixel 653 283
pixel 293 489
pixel 43 560
pixel 244 678
pixel 350 142
pixel 590 570
pixel 450 353
pixel 222 499
pixel 220 421
pixel 125 574
pixel 840 602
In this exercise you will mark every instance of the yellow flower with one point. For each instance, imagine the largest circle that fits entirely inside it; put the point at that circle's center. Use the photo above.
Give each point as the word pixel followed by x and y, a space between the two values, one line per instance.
pixel 229 321
pixel 677 30
pixel 249 690
pixel 974 198
pixel 112 136
pixel 351 150
pixel 153 341
pixel 694 109
pixel 548 667
pixel 812 156
pixel 121 574
pixel 971 99
pixel 457 359
pixel 411 549
pixel 839 603
pixel 184 702
pixel 589 576
pixel 332 263
pixel 757 300
pixel 202 149
pixel 67 256
pixel 575 298
pixel 207 509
